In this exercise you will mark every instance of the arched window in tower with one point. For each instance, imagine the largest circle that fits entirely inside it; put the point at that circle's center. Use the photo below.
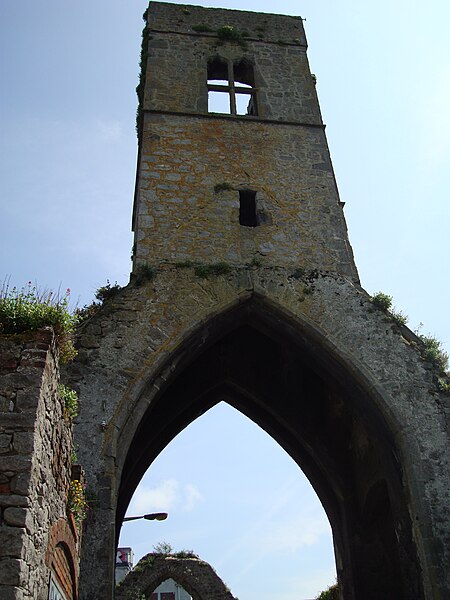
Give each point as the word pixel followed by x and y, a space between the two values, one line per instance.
pixel 244 81
pixel 231 87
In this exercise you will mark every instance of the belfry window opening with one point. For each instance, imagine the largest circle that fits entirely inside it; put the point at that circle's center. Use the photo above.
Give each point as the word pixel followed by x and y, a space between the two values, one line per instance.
pixel 231 87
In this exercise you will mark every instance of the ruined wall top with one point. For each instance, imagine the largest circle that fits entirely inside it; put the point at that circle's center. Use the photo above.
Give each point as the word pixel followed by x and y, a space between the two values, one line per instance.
pixel 183 18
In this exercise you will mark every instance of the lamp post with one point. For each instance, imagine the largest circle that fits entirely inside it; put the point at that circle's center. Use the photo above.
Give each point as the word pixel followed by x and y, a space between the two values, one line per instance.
pixel 162 516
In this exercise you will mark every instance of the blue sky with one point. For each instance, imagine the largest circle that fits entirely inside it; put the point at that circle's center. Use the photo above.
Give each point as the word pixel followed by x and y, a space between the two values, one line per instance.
pixel 67 165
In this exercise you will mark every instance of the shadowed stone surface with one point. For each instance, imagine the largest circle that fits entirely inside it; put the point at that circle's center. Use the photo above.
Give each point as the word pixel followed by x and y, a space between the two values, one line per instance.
pixel 35 468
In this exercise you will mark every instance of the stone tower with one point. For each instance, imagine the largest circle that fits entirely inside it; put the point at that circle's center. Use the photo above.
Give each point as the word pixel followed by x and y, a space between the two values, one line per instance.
pixel 255 184
pixel 244 289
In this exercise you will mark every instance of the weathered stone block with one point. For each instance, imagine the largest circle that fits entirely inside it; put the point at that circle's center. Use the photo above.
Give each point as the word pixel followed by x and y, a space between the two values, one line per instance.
pixel 20 484
pixel 15 463
pixel 17 517
pixel 10 499
pixel 5 442
pixel 12 539
pixel 89 341
pixel 23 442
pixel 27 400
pixel 11 593
pixel 12 571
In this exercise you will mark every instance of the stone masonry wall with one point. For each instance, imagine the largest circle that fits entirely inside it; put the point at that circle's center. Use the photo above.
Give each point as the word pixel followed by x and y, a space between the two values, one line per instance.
pixel 129 351
pixel 193 163
pixel 182 217
pixel 35 466
pixel 178 57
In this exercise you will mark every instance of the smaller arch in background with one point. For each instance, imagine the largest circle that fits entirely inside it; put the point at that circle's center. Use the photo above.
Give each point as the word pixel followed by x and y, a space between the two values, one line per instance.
pixel 194 575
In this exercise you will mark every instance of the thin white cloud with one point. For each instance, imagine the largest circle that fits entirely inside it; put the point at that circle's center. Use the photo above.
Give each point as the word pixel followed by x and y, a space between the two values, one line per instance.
pixel 192 497
pixel 280 499
pixel 299 532
pixel 161 498
pixel 167 496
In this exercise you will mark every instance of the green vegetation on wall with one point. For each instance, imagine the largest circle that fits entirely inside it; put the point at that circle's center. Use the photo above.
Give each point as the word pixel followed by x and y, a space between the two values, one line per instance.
pixel 29 309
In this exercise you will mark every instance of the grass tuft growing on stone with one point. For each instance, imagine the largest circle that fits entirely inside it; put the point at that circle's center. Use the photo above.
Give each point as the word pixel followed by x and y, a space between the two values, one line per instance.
pixel 143 273
pixel 382 301
pixel 202 28
pixel 255 262
pixel 228 33
pixel 212 270
pixel 222 187
pixel 29 309
pixel 432 350
pixel 299 273
pixel 331 593
pixel 184 264
pixel 108 291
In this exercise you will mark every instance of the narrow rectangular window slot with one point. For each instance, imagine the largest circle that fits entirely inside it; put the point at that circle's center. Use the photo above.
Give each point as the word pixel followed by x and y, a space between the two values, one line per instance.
pixel 247 208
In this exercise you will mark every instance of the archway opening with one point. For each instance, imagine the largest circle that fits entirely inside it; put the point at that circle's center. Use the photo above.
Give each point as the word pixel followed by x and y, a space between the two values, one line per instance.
pixel 237 500
pixel 170 589
pixel 286 380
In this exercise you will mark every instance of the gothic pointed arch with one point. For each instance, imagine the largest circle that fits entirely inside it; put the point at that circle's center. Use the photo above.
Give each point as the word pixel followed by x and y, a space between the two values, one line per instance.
pixel 312 372
pixel 281 373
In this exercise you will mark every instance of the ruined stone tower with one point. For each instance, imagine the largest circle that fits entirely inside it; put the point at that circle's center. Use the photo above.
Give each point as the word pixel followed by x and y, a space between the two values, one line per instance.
pixel 244 289
pixel 255 184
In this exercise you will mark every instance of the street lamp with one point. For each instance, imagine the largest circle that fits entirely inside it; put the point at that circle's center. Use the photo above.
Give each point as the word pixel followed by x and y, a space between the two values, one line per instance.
pixel 150 517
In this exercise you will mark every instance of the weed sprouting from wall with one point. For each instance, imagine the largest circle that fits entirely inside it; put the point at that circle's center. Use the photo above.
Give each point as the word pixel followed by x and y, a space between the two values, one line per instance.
pixel 103 294
pixel 202 28
pixel 142 71
pixel 108 291
pixel 185 264
pixel 226 33
pixel 143 273
pixel 76 502
pixel 70 401
pixel 431 348
pixel 384 302
pixel 222 187
pixel 331 593
pixel 29 309
pixel 433 351
pixel 212 270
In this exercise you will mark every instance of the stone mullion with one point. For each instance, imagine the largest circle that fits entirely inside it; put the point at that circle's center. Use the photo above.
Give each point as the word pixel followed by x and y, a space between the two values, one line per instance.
pixel 233 109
